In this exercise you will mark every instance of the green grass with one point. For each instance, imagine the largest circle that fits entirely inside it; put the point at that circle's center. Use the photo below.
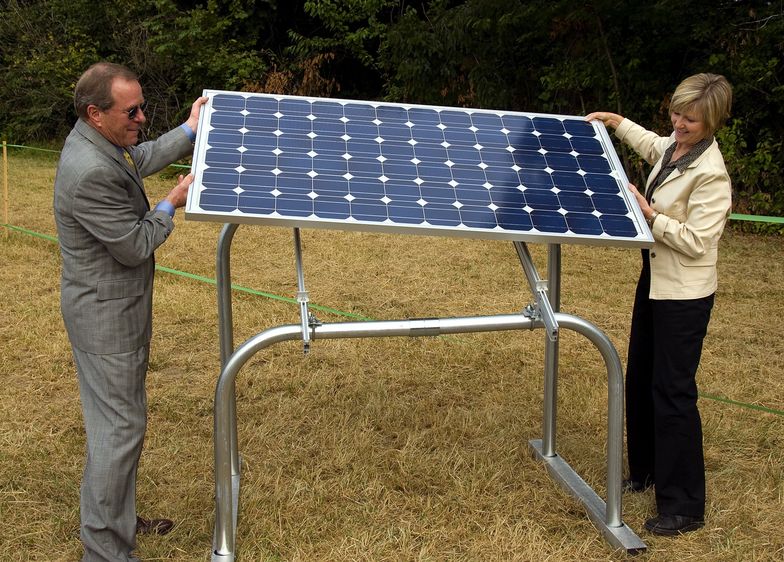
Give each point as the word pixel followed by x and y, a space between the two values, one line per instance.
pixel 386 449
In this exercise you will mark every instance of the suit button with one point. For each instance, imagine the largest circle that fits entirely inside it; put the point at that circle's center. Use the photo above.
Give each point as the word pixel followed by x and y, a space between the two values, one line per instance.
pixel 653 254
pixel 653 200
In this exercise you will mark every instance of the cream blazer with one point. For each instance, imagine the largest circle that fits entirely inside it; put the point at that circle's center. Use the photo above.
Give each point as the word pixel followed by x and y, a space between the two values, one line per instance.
pixel 693 208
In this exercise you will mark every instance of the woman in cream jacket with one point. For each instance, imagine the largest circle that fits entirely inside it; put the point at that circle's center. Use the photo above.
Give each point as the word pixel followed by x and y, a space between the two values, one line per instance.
pixel 686 201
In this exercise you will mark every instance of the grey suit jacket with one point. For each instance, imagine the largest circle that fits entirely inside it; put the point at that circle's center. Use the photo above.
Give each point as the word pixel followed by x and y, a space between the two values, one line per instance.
pixel 107 235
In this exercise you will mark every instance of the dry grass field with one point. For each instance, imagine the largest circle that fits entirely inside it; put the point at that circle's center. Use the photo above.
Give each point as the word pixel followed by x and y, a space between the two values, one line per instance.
pixel 389 449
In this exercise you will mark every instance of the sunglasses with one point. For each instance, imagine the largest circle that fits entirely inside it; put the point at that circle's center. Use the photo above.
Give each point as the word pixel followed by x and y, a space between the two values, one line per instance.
pixel 134 111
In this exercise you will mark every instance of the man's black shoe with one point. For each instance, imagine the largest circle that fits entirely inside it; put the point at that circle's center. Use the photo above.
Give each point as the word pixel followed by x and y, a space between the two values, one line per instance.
pixel 670 525
pixel 153 526
pixel 635 486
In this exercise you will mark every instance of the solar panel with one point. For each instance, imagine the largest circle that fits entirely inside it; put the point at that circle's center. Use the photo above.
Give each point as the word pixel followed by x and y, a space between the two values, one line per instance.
pixel 329 163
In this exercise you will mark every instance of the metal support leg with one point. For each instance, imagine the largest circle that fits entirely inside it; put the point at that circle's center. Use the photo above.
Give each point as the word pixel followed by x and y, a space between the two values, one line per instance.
pixel 550 403
pixel 302 294
pixel 226 324
pixel 605 517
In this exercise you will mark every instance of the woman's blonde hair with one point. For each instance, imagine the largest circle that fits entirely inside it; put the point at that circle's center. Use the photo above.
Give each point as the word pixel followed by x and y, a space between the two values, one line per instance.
pixel 709 95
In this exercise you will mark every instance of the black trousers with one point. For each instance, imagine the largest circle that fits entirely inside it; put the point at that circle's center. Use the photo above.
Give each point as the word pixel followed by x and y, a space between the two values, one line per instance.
pixel 663 425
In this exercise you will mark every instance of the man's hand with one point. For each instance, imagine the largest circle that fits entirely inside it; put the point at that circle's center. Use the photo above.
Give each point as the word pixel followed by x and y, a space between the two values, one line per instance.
pixel 179 195
pixel 193 119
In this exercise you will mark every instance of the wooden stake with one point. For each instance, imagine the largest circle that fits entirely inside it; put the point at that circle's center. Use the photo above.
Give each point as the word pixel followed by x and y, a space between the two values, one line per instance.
pixel 5 188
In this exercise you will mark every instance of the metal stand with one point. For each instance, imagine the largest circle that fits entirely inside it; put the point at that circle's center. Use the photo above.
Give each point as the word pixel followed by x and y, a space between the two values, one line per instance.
pixel 606 517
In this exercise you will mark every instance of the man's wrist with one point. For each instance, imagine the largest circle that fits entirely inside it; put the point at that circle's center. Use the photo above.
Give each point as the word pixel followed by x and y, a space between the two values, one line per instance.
pixel 652 218
pixel 189 131
pixel 166 206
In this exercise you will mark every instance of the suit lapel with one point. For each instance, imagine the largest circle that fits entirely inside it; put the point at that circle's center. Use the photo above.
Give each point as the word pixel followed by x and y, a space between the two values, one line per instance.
pixel 115 153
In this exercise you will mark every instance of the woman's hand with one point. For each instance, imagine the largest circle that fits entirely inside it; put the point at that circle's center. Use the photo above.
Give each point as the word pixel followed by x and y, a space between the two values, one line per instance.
pixel 609 119
pixel 647 210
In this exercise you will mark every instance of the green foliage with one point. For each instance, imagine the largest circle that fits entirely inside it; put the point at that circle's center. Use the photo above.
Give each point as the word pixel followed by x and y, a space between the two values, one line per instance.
pixel 555 56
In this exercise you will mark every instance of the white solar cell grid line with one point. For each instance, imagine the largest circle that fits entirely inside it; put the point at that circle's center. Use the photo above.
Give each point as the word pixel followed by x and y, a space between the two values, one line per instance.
pixel 358 165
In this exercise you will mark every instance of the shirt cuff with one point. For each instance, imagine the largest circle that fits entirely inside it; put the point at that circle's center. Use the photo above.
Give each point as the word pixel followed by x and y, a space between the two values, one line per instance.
pixel 165 206
pixel 188 131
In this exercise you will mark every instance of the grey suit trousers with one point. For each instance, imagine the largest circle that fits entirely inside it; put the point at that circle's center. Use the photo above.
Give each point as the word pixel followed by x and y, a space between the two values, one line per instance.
pixel 114 406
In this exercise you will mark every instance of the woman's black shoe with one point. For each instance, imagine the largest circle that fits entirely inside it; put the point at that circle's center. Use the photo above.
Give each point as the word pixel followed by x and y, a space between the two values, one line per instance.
pixel 635 486
pixel 670 525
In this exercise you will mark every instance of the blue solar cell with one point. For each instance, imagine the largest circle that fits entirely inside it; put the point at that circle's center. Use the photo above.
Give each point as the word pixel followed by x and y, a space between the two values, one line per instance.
pixel 294 106
pixel 408 212
pixel 359 111
pixel 561 161
pixel 508 197
pixel 529 159
pixel 365 167
pixel 502 177
pixel 594 164
pixel 401 190
pixel 391 114
pixel 260 105
pixel 616 225
pixel 309 159
pixel 497 157
pixel 579 202
pixel 524 141
pixel 536 178
pixel 464 155
pixel 514 219
pixel 334 187
pixel 549 125
pixel 394 131
pixel 567 181
pixel 455 119
pixel 458 136
pixel 427 134
pixel 397 150
pixel 518 124
pixel 579 128
pixel 233 103
pixel 549 221
pixel 332 207
pixel 260 122
pixel 422 116
pixel 329 127
pixel 400 170
pixel 328 110
pixel 487 121
pixel 371 210
pixel 364 188
pixel 227 120
pixel 442 214
pixel 492 138
pixel 542 199
pixel 228 158
pixel 431 153
pixel 217 177
pixel 361 129
pixel 470 176
pixel 478 217
pixel 254 160
pixel 365 148
pixel 585 145
pixel 601 183
pixel 555 143
pixel 584 223
pixel 221 202
pixel 433 172
pixel 609 204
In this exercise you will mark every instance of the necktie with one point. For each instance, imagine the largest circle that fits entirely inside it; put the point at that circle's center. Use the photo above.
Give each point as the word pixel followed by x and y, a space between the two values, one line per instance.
pixel 129 160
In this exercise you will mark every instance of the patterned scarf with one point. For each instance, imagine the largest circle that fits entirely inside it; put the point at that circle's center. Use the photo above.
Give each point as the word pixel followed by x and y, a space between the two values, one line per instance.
pixel 668 166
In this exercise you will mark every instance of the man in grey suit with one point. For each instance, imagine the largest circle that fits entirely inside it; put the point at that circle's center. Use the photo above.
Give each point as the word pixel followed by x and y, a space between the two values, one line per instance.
pixel 108 233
